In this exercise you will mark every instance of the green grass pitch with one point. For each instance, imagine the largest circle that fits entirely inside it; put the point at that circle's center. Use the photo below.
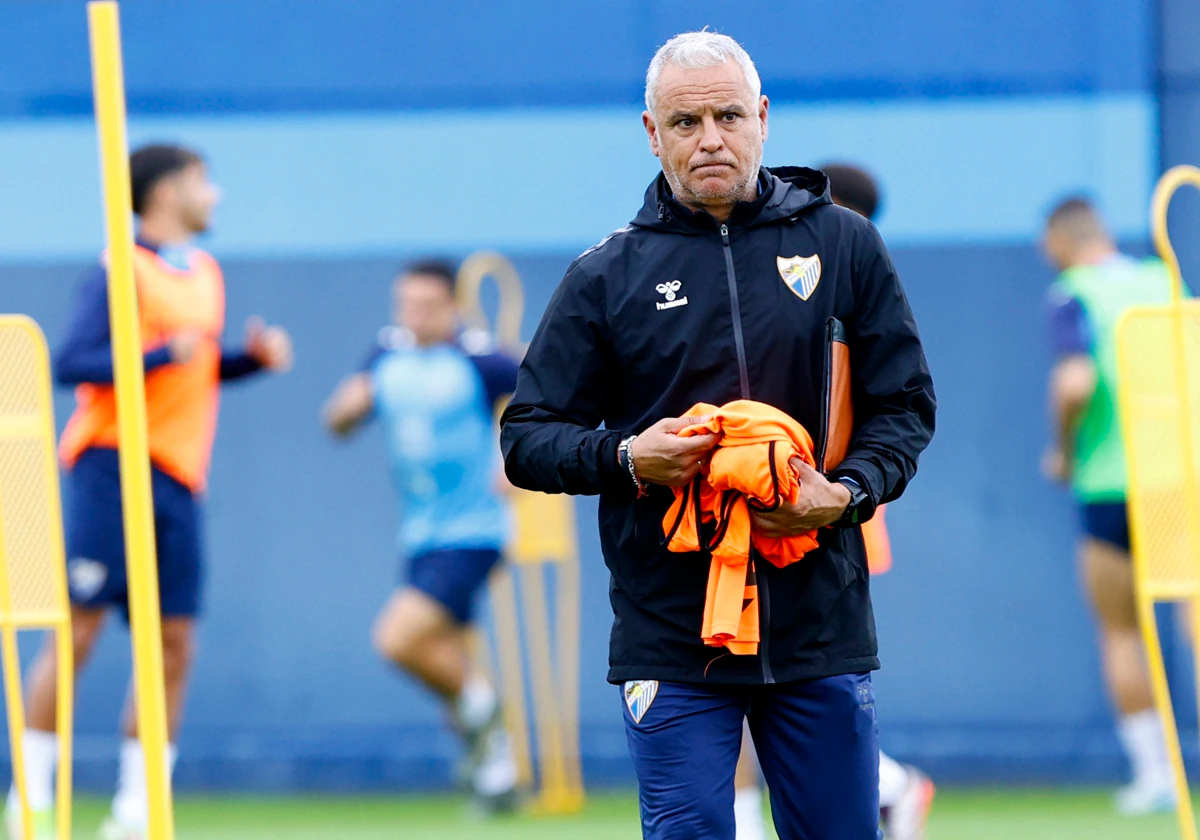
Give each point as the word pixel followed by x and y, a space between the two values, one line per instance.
pixel 958 815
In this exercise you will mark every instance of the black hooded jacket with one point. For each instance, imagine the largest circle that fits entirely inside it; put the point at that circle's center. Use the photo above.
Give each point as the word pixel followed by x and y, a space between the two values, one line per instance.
pixel 677 309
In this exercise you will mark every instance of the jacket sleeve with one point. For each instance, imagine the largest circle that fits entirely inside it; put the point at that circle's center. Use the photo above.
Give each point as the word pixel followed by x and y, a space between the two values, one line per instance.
pixel 237 364
pixel 549 433
pixel 85 356
pixel 894 403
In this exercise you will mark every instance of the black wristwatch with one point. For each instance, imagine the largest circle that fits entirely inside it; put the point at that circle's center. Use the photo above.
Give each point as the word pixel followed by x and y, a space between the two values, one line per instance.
pixel 859 508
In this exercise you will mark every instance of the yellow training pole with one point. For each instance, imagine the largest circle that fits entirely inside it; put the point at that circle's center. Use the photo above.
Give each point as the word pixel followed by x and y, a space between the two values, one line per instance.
pixel 1172 180
pixel 471 274
pixel 137 500
pixel 16 715
pixel 545 540
pixel 501 588
pixel 65 720
pixel 1162 700
pixel 1175 178
pixel 568 610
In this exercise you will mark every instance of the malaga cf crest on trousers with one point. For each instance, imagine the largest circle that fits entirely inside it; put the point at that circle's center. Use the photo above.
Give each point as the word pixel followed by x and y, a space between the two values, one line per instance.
pixel 802 274
pixel 639 694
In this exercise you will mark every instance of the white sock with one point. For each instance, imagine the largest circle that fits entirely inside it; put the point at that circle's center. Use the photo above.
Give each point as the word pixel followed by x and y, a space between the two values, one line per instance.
pixel 497 773
pixel 130 805
pixel 893 780
pixel 748 813
pixel 475 704
pixel 41 758
pixel 1142 736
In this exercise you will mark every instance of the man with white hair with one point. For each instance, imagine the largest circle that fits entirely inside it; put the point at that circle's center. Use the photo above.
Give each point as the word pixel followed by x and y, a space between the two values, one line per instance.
pixel 733 282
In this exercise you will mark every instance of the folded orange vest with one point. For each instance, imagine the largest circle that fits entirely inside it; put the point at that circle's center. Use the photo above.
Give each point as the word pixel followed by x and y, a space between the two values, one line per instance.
pixel 749 469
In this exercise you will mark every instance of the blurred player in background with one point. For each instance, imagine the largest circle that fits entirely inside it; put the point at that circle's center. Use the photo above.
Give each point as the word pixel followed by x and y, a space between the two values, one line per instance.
pixel 181 307
pixel 905 793
pixel 435 388
pixel 1096 284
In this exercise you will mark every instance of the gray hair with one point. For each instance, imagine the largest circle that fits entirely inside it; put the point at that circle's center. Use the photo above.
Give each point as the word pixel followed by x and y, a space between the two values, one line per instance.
pixel 694 50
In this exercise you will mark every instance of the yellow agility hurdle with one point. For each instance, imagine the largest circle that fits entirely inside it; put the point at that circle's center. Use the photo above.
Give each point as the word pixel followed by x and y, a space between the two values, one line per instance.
pixel 1158 363
pixel 137 503
pixel 545 549
pixel 33 575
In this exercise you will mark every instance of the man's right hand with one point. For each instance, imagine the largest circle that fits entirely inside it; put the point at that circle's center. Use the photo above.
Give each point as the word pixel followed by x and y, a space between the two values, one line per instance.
pixel 350 405
pixel 182 346
pixel 661 456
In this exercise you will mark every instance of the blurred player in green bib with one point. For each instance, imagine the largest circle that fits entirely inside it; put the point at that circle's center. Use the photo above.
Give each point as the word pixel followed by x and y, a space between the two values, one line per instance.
pixel 1096 285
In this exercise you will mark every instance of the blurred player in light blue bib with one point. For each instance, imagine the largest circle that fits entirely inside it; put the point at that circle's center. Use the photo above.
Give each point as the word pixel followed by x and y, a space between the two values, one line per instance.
pixel 435 403
pixel 435 389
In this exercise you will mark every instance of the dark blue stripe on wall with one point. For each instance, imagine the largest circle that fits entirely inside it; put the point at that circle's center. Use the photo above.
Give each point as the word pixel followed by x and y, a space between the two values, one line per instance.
pixel 226 56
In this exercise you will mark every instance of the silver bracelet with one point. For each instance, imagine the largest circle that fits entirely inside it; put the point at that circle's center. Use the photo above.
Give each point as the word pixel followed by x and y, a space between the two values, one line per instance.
pixel 626 446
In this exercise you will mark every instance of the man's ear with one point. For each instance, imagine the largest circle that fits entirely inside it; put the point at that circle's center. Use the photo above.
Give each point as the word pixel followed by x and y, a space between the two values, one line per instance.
pixel 165 191
pixel 651 132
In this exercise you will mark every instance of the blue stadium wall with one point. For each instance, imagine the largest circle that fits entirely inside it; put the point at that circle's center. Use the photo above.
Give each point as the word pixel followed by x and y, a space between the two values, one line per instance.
pixel 357 134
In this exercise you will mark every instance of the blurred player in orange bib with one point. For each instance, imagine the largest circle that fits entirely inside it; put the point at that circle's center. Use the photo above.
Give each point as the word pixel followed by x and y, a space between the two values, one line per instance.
pixel 905 793
pixel 181 309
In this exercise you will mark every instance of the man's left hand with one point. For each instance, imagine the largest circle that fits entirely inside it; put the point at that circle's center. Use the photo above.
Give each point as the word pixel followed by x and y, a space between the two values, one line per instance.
pixel 821 502
pixel 270 346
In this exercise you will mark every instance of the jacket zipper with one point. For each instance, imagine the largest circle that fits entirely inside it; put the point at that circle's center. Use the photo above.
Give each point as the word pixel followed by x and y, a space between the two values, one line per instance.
pixel 764 601
pixel 743 373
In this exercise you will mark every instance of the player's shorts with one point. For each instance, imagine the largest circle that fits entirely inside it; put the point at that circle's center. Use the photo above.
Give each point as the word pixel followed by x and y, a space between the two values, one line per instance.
pixel 95 538
pixel 453 577
pixel 1106 521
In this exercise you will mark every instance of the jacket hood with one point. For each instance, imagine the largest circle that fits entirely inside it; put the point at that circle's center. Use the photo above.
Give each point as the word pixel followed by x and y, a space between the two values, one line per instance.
pixel 783 193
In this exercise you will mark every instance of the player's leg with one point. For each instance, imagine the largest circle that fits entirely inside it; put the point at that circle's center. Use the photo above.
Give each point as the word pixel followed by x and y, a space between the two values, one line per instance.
pixel 748 793
pixel 42 682
pixel 96 579
pixel 424 629
pixel 41 707
pixel 130 809
pixel 905 798
pixel 179 538
pixel 1108 576
pixel 684 740
pixel 818 744
pixel 419 634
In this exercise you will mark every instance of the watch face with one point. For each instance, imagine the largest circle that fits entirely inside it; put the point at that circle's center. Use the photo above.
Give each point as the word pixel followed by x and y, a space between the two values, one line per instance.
pixel 857 496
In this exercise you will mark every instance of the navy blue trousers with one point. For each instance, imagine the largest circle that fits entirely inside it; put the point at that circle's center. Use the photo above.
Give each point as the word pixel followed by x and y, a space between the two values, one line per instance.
pixel 817 741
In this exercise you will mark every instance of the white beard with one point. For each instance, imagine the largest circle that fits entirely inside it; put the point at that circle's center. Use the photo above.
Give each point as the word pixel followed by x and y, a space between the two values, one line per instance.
pixel 737 192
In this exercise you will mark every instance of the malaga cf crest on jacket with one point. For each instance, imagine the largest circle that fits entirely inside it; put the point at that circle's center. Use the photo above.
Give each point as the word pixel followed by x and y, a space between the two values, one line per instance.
pixel 802 274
